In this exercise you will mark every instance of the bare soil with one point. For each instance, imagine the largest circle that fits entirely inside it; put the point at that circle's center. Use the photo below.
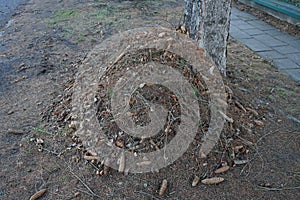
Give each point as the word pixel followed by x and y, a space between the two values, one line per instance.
pixel 42 50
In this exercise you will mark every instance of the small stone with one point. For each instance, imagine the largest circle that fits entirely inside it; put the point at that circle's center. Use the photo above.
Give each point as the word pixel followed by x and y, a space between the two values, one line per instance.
pixel 40 141
pixel 259 122
pixel 10 112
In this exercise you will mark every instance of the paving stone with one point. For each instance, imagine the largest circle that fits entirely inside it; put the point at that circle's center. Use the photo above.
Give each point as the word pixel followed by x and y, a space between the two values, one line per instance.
pixel 239 34
pixel 273 33
pixel 285 37
pixel 243 25
pixel 261 25
pixel 291 40
pixel 255 31
pixel 280 48
pixel 255 45
pixel 245 16
pixel 271 55
pixel 285 64
pixel 294 57
pixel 294 74
pixel 270 41
pixel 286 49
pixel 296 43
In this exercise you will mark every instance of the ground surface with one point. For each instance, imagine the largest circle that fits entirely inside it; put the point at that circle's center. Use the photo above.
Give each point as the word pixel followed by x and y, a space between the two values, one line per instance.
pixel 40 53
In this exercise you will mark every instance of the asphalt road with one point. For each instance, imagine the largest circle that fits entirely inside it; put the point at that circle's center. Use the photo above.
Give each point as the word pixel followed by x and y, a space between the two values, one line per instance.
pixel 7 8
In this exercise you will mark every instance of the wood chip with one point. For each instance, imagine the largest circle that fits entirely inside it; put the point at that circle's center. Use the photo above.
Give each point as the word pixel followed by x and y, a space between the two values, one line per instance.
pixel 122 163
pixel 240 162
pixel 144 163
pixel 38 194
pixel 195 181
pixel 106 166
pixel 163 187
pixel 203 155
pixel 211 181
pixel 237 148
pixel 10 112
pixel 222 170
pixel 90 158
pixel 15 132
pixel 91 153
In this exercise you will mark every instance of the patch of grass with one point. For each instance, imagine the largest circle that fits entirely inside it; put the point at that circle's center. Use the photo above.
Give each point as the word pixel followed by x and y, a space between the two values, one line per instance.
pixel 93 40
pixel 29 152
pixel 81 38
pixel 39 131
pixel 111 93
pixel 195 92
pixel 102 13
pixel 282 92
pixel 62 15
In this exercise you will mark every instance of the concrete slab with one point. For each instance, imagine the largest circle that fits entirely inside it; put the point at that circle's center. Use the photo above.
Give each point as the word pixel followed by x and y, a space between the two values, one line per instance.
pixel 286 38
pixel 271 55
pixel 294 74
pixel 243 25
pixel 261 25
pixel 239 34
pixel 285 64
pixel 282 49
pixel 270 41
pixel 274 33
pixel 255 45
pixel 253 32
pixel 287 49
pixel 294 57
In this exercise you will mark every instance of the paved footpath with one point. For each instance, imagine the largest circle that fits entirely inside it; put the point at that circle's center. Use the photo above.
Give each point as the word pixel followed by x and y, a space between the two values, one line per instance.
pixel 282 49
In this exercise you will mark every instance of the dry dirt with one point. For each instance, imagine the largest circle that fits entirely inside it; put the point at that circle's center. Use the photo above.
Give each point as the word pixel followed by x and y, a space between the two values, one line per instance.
pixel 41 52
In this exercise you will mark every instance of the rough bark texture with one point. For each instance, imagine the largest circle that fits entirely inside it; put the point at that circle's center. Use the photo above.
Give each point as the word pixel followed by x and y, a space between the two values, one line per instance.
pixel 208 22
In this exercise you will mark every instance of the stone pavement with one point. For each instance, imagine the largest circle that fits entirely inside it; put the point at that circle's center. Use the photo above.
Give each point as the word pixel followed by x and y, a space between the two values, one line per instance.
pixel 282 49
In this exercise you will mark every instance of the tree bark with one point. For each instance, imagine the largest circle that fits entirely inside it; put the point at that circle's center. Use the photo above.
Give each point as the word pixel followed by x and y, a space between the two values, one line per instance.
pixel 208 23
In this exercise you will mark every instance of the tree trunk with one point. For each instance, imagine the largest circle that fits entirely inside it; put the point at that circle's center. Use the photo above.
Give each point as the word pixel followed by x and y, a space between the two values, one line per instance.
pixel 208 22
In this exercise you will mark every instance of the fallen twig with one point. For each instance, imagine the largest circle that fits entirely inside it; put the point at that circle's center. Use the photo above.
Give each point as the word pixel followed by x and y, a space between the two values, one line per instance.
pixel 152 196
pixel 83 183
pixel 226 117
pixel 277 189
